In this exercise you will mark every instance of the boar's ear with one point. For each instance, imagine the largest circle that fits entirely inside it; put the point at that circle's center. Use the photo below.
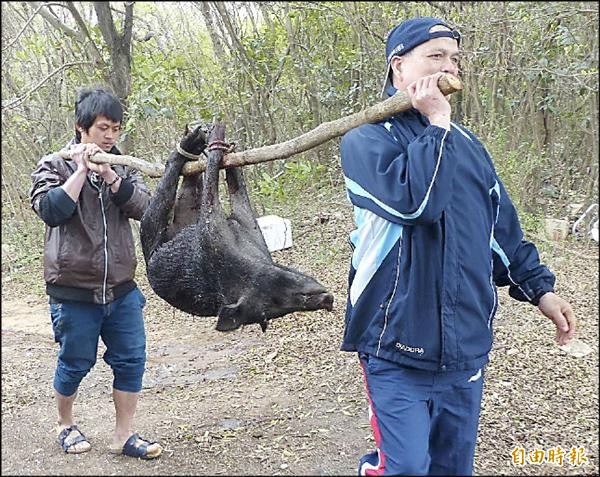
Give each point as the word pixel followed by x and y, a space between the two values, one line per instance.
pixel 231 317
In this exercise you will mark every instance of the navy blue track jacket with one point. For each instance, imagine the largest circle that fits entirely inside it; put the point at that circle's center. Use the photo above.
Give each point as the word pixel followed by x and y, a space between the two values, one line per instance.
pixel 436 233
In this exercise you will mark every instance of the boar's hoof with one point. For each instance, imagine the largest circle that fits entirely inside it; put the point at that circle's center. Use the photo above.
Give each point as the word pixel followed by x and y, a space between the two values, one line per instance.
pixel 263 325
pixel 194 142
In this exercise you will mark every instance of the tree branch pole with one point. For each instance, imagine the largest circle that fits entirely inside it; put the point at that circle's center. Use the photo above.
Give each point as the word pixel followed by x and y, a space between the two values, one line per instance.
pixel 398 103
pixel 151 170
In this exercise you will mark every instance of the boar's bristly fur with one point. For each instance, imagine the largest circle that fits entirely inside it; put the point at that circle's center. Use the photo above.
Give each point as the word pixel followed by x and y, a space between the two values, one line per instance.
pixel 208 264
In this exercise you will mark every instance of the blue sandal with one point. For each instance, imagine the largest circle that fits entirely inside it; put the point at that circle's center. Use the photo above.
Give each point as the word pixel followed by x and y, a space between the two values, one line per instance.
pixel 67 441
pixel 130 449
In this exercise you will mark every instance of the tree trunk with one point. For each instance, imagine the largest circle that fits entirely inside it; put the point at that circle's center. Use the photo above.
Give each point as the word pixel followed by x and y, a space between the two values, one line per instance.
pixel 119 45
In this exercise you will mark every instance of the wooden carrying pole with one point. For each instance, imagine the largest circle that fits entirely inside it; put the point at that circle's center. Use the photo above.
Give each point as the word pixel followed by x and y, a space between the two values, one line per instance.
pixel 398 103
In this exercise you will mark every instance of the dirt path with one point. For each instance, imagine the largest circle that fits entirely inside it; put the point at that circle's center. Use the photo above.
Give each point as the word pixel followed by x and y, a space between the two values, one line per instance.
pixel 216 401
pixel 287 402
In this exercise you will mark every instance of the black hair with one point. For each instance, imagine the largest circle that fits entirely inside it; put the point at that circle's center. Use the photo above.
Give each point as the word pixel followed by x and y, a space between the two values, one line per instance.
pixel 94 102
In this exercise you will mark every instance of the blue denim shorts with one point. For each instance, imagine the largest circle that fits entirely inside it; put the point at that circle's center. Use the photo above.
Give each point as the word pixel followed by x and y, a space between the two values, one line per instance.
pixel 77 327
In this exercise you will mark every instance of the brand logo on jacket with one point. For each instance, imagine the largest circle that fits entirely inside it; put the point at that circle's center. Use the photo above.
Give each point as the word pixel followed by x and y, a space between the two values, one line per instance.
pixel 409 349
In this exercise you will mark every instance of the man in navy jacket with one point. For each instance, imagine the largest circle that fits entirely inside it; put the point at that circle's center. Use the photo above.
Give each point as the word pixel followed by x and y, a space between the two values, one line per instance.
pixel 436 233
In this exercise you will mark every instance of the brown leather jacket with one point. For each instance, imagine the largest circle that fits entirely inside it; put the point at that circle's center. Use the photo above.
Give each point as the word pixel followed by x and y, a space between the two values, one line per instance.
pixel 89 254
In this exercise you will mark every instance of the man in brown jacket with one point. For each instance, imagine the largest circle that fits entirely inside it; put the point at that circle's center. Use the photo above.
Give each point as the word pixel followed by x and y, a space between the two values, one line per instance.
pixel 89 267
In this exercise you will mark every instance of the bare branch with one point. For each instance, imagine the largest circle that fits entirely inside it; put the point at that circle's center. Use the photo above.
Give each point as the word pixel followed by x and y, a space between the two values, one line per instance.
pixel 115 40
pixel 55 22
pixel 106 24
pixel 324 132
pixel 137 18
pixel 151 170
pixel 85 33
pixel 399 102
pixel 79 35
pixel 127 24
pixel 17 101
pixel 29 20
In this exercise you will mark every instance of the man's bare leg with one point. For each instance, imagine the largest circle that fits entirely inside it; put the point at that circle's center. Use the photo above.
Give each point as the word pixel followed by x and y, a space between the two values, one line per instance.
pixel 65 419
pixel 125 406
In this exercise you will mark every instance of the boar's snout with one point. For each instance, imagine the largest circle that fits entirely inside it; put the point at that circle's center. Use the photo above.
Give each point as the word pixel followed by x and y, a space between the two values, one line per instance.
pixel 291 290
pixel 319 300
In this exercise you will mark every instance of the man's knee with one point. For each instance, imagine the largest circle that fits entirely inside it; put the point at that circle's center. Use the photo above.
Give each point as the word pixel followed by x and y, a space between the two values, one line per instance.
pixel 130 382
pixel 66 381
pixel 128 374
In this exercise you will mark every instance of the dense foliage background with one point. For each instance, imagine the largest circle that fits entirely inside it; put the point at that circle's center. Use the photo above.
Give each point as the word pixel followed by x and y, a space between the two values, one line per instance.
pixel 273 70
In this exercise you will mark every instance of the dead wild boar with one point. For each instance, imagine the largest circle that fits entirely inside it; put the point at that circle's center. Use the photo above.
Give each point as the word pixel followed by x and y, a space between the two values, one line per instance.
pixel 207 264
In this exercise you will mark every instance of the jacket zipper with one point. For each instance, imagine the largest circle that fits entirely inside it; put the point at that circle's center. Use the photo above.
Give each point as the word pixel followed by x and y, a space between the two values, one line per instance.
pixel 105 250
pixel 99 189
pixel 444 268
pixel 387 309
